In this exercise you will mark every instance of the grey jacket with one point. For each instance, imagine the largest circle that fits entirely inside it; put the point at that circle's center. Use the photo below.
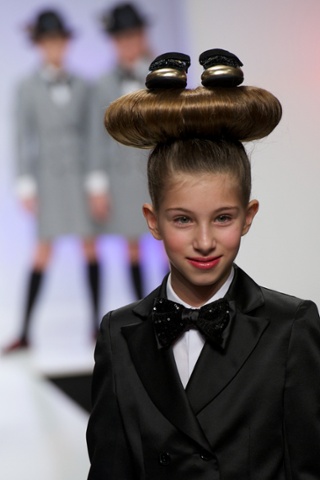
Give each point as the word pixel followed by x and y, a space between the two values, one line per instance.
pixel 52 148
pixel 124 166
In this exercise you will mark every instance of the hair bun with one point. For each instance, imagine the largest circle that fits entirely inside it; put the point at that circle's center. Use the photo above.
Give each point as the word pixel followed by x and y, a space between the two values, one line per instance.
pixel 145 118
pixel 222 110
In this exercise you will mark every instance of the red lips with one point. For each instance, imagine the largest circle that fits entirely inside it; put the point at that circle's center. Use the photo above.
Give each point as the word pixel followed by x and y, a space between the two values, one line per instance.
pixel 204 263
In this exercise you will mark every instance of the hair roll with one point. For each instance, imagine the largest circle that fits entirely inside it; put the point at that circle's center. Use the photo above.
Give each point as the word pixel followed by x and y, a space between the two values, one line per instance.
pixel 148 117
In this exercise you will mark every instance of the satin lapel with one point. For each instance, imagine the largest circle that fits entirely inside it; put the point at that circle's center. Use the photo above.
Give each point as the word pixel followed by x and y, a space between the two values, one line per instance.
pixel 158 373
pixel 215 369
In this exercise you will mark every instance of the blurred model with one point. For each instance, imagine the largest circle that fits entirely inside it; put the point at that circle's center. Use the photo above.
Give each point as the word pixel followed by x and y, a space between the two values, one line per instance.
pixel 119 180
pixel 52 133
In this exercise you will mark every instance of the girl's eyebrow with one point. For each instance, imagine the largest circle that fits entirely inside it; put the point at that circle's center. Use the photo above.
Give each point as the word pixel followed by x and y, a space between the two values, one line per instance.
pixel 180 209
pixel 227 208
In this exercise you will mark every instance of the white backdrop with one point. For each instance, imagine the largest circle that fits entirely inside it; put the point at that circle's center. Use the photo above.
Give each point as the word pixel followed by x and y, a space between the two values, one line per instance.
pixel 278 42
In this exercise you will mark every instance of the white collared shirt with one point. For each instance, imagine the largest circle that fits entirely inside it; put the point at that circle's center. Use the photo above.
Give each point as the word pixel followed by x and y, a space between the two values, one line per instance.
pixel 188 347
pixel 60 90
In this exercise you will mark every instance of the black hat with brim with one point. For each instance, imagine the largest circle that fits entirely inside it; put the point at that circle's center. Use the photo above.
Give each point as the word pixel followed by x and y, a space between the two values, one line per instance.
pixel 123 17
pixel 49 23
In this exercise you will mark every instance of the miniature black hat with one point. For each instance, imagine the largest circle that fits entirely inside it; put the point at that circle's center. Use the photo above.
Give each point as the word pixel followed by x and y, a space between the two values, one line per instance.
pixel 47 24
pixel 123 17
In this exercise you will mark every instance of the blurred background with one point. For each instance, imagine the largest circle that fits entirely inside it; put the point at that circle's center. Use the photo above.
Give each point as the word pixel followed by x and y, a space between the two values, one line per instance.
pixel 42 429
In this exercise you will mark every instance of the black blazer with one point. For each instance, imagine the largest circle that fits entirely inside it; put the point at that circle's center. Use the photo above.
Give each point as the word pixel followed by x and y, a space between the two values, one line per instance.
pixel 248 413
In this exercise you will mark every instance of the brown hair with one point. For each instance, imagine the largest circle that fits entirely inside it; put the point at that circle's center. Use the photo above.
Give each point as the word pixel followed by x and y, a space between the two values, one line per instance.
pixel 198 130
pixel 197 156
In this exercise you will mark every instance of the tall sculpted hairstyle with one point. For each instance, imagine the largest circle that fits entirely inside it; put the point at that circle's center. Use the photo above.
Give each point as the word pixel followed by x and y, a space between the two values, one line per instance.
pixel 194 130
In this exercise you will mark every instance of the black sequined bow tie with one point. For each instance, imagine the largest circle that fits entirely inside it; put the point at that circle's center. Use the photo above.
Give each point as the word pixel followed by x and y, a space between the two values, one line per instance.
pixel 170 320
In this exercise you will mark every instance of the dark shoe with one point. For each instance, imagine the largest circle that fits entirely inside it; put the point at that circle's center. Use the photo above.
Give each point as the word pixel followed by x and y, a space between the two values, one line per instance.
pixel 221 68
pixel 168 70
pixel 15 346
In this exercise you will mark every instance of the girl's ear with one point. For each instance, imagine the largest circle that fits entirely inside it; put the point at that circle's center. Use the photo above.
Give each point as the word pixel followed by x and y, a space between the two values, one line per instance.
pixel 251 211
pixel 152 220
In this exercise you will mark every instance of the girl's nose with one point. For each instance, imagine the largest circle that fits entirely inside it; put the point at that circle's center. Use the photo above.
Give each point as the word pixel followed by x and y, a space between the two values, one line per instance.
pixel 204 241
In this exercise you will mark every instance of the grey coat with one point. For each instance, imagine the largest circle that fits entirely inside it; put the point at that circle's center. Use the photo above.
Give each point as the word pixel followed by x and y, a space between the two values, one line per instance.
pixel 125 166
pixel 52 148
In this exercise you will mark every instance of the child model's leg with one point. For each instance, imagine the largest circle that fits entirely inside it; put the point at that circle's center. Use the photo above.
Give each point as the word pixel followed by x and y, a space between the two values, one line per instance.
pixel 136 279
pixel 93 276
pixel 34 284
pixel 33 290
pixel 93 271
pixel 135 267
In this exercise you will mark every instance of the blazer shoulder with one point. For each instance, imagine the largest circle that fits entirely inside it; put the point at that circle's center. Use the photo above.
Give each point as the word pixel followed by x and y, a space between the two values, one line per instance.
pixel 135 312
pixel 103 82
pixel 28 81
pixel 121 316
pixel 285 303
pixel 108 85
pixel 251 297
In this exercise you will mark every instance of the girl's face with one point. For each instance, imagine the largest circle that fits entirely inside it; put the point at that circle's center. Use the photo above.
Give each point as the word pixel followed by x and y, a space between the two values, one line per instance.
pixel 53 49
pixel 131 45
pixel 201 220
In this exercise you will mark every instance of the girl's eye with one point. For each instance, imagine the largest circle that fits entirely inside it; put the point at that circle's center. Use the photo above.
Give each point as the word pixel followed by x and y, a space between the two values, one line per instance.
pixel 223 218
pixel 182 220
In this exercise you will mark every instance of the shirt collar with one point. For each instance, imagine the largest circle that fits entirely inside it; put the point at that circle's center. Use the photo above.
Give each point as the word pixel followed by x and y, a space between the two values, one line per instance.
pixel 50 73
pixel 171 295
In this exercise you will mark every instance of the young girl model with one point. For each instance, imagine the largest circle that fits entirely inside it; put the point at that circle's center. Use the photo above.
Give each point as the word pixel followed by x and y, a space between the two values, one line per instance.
pixel 119 170
pixel 52 157
pixel 229 391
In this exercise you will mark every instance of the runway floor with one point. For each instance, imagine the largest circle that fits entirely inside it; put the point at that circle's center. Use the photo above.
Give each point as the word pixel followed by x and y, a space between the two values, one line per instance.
pixel 42 430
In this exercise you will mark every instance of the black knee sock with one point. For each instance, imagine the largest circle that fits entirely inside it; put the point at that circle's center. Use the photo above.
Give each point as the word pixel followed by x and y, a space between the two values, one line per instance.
pixel 33 289
pixel 136 279
pixel 93 269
